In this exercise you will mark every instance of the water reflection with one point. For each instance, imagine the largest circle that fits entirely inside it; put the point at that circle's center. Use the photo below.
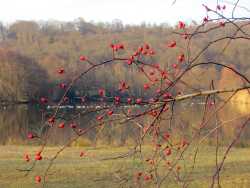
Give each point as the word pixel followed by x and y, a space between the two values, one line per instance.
pixel 17 121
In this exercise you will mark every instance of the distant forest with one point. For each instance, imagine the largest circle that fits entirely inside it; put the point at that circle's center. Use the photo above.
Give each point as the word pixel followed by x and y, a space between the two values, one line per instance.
pixel 32 52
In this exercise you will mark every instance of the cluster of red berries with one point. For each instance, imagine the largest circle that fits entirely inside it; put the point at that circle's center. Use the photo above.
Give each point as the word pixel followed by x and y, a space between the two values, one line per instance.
pixel 116 47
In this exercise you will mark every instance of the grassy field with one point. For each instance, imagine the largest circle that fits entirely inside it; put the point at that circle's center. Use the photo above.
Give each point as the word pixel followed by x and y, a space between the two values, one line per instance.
pixel 72 171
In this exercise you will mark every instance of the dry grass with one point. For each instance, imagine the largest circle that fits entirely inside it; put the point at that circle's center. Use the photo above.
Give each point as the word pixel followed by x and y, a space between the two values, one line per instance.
pixel 72 171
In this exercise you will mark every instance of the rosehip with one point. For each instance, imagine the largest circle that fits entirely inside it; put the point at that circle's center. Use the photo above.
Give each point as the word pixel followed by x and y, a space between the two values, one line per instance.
pixel 181 25
pixel 38 179
pixel 51 120
pixel 205 19
pixel 222 24
pixel 140 49
pixel 146 86
pixel 121 46
pixel 117 99
pixel 139 101
pixel 167 151
pixel 99 118
pixel 30 136
pixel 82 153
pixel 181 58
pixel 167 95
pixel 146 46
pixel 158 90
pixel 174 65
pixel 61 125
pixel 83 58
pixel 38 157
pixel 43 100
pixel 101 92
pixel 166 136
pixel 110 112
pixel 26 157
pixel 129 62
pixel 72 125
pixel 129 111
pixel 172 44
pixel 62 85
pixel 60 71
pixel 148 177
pixel 151 52
pixel 129 100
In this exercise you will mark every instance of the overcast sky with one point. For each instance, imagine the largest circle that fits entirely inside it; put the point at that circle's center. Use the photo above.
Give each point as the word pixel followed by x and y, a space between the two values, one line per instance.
pixel 129 11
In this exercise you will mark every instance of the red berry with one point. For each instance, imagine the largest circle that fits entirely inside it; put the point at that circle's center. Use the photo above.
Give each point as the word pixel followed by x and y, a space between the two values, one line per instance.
pixel 83 58
pixel 129 100
pixel 82 153
pixel 140 49
pixel 38 179
pixel 110 112
pixel 146 46
pixel 153 113
pixel 62 85
pixel 167 96
pixel 158 90
pixel 205 19
pixel 30 136
pixel 60 71
pixel 121 46
pixel 164 75
pixel 73 125
pixel 166 136
pixel 99 118
pixel 167 151
pixel 51 120
pixel 172 44
pixel 181 58
pixel 174 65
pixel 184 143
pixel 146 86
pixel 117 99
pixel 129 62
pixel 61 125
pixel 129 111
pixel 185 36
pixel 26 157
pixel 115 48
pixel 144 52
pixel 101 92
pixel 148 177
pixel 138 101
pixel 65 99
pixel 181 25
pixel 43 100
pixel 139 174
pixel 38 157
pixel 222 24
pixel 151 52
pixel 123 86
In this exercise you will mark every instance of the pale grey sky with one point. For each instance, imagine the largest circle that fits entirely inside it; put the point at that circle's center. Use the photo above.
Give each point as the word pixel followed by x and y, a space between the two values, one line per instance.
pixel 129 11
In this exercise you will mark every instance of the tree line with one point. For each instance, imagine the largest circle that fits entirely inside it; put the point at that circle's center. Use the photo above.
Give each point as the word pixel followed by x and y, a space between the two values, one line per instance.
pixel 31 52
